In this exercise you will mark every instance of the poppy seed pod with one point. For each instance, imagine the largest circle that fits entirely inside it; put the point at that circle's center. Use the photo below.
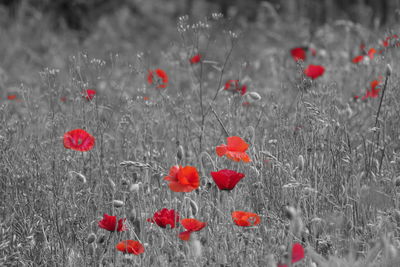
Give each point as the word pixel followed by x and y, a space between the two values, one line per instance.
pixel 91 238
pixel 118 203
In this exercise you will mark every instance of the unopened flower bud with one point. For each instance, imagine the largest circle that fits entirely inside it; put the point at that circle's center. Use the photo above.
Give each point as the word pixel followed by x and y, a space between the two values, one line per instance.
pixel 101 239
pixel 179 153
pixel 388 70
pixel 134 188
pixel 91 238
pixel 254 96
pixel 118 203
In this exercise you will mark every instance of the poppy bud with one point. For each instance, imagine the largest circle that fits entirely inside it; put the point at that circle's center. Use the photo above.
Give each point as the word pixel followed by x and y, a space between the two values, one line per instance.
pixel 91 238
pixel 300 162
pixel 101 239
pixel 118 203
pixel 134 187
pixel 388 70
pixel 92 249
pixel 254 96
pixel 397 181
pixel 290 212
pixel 194 207
pixel 111 183
pixel 180 153
pixel 124 182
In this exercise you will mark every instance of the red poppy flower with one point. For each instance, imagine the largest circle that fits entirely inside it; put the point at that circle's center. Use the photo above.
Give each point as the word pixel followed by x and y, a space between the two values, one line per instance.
pixel 235 150
pixel 371 53
pixel 191 225
pixel 89 94
pixel 109 223
pixel 314 71
pixel 11 97
pixel 297 254
pixel 63 99
pixel 357 59
pixel 195 59
pixel 298 53
pixel 130 246
pixel 388 39
pixel 164 217
pixel 184 179
pixel 79 140
pixel 235 86
pixel 158 77
pixel 243 218
pixel 374 91
pixel 226 179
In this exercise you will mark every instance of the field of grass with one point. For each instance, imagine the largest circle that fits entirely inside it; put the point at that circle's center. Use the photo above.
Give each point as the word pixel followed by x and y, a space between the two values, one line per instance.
pixel 325 152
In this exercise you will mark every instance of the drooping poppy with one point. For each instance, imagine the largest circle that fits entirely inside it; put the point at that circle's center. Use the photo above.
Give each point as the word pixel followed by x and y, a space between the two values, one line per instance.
pixel 183 179
pixel 298 53
pixel 226 179
pixel 235 86
pixel 158 77
pixel 130 246
pixel 243 218
pixel 109 223
pixel 195 59
pixel 297 254
pixel 78 140
pixel 314 71
pixel 191 225
pixel 234 150
pixel 164 217
pixel 89 94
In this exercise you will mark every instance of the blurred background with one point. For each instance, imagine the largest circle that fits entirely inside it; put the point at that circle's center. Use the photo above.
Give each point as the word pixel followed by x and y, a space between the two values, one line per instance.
pixel 44 33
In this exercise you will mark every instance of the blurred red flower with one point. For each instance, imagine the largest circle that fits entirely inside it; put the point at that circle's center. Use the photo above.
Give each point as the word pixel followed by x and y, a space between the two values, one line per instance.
pixel 226 179
pixel 235 86
pixel 314 71
pixel 298 53
pixel 374 91
pixel 387 41
pixel 357 59
pixel 235 150
pixel 297 254
pixel 164 217
pixel 130 246
pixel 183 179
pixel 191 225
pixel 11 97
pixel 195 59
pixel 243 218
pixel 158 77
pixel 78 140
pixel 89 94
pixel 109 223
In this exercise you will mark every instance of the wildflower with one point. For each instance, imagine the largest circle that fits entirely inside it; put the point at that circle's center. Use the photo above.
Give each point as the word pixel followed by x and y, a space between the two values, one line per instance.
pixel 183 179
pixel 11 97
pixel 314 71
pixel 226 179
pixel 374 91
pixel 235 150
pixel 357 59
pixel 109 223
pixel 298 53
pixel 78 140
pixel 130 246
pixel 235 86
pixel 89 94
pixel 195 59
pixel 191 225
pixel 158 77
pixel 164 217
pixel 243 218
pixel 297 254
pixel 387 41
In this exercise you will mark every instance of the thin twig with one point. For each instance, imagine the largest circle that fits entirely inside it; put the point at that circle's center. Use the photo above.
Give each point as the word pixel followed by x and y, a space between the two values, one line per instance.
pixel 220 122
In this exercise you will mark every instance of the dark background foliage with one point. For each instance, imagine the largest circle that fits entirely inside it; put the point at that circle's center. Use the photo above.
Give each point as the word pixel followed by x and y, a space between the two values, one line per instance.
pixel 81 14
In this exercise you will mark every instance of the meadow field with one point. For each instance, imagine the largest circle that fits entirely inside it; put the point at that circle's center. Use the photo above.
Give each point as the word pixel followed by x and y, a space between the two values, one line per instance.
pixel 202 143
